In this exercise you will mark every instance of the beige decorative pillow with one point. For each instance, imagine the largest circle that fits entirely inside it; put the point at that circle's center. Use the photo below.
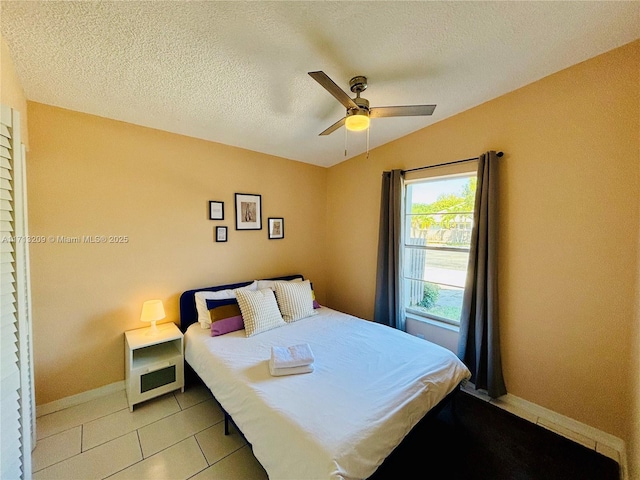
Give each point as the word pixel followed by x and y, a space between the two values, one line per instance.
pixel 270 283
pixel 259 310
pixel 295 300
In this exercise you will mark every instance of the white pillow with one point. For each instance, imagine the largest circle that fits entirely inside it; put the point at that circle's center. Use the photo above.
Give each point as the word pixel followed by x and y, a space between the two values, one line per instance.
pixel 295 300
pixel 204 317
pixel 270 283
pixel 259 310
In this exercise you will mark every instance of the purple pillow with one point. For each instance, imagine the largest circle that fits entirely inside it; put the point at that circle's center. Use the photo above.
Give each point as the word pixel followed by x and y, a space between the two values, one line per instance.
pixel 227 325
pixel 225 317
pixel 313 295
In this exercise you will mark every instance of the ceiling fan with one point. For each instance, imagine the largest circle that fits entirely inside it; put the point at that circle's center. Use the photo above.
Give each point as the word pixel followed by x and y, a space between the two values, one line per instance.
pixel 358 111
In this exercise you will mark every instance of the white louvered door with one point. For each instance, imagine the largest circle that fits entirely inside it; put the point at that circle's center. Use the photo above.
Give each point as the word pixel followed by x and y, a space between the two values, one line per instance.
pixel 17 414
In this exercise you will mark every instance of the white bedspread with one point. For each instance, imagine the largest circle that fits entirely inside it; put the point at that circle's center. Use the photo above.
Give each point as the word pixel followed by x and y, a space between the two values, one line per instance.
pixel 370 386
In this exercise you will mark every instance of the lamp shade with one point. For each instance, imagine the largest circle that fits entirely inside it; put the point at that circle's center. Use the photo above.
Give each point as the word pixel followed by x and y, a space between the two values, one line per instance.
pixel 152 311
pixel 357 121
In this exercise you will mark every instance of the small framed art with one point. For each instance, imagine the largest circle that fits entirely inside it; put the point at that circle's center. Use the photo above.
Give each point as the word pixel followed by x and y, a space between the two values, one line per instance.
pixel 221 234
pixel 248 211
pixel 216 210
pixel 276 228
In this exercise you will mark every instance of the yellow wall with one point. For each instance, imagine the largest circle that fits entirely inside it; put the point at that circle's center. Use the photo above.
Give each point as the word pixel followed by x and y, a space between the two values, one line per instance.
pixel 92 176
pixel 11 92
pixel 569 184
pixel 633 451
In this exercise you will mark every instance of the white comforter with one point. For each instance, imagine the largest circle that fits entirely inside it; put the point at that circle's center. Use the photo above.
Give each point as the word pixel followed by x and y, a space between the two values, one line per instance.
pixel 370 385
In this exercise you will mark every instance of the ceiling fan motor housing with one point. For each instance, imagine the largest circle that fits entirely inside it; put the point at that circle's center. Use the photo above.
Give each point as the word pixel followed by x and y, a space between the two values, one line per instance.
pixel 362 103
pixel 358 84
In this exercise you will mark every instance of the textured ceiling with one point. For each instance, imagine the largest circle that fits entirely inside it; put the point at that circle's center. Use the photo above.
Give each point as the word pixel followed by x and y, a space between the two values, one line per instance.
pixel 236 72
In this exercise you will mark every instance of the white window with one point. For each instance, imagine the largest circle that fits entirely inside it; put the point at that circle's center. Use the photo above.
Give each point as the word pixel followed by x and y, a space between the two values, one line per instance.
pixel 437 233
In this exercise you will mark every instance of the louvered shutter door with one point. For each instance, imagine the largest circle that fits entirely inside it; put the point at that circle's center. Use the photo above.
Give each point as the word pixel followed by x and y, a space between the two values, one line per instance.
pixel 16 380
pixel 25 338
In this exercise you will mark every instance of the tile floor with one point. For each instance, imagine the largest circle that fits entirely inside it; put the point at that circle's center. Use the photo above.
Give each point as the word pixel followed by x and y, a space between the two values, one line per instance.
pixel 175 436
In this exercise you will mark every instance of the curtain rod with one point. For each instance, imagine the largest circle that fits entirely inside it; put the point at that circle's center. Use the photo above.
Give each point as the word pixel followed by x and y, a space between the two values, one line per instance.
pixel 499 154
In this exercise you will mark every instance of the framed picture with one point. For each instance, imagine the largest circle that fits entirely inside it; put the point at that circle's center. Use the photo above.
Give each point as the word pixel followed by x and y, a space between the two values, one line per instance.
pixel 216 210
pixel 276 228
pixel 221 234
pixel 248 211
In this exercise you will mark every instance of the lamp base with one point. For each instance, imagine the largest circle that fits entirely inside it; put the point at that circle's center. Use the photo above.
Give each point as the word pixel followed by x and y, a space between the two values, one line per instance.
pixel 153 330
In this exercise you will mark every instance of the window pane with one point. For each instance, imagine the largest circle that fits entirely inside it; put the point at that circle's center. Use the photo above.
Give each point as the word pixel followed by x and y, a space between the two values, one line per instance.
pixel 444 267
pixel 440 212
pixel 434 299
pixel 434 282
pixel 438 222
pixel 439 230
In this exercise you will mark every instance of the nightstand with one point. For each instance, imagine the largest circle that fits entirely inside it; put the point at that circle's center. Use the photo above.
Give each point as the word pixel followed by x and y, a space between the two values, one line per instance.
pixel 154 364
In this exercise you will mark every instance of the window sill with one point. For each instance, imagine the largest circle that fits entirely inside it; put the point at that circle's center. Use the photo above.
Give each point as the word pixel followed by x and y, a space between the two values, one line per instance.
pixel 435 323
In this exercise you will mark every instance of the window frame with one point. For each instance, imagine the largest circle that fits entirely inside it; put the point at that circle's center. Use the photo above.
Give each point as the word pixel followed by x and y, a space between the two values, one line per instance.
pixel 462 171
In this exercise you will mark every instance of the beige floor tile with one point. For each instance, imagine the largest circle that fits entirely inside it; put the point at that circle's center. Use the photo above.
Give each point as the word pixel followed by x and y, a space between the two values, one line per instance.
pixel 192 395
pixel 179 461
pixel 56 448
pixel 176 427
pixel 565 432
pixel 216 445
pixel 61 420
pixel 97 463
pixel 240 465
pixel 124 421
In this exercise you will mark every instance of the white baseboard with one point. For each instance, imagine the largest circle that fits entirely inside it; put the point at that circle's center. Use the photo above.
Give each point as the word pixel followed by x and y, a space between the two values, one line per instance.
pixel 73 400
pixel 601 438
pixel 527 410
pixel 583 429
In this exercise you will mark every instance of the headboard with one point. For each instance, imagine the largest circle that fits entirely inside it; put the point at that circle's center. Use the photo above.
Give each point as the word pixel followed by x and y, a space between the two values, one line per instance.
pixel 188 312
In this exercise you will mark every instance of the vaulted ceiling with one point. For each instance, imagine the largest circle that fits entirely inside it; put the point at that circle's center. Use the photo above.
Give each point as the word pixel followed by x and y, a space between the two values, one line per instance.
pixel 237 72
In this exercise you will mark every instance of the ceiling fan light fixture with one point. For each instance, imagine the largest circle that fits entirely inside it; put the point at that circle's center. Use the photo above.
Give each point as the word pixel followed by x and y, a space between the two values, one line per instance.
pixel 357 121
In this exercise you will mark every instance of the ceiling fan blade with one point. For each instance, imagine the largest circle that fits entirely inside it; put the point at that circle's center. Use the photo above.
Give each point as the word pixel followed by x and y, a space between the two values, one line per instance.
pixel 333 89
pixel 405 111
pixel 334 127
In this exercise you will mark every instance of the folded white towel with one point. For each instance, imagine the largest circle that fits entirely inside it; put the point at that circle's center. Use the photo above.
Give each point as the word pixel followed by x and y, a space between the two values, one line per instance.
pixel 278 372
pixel 294 356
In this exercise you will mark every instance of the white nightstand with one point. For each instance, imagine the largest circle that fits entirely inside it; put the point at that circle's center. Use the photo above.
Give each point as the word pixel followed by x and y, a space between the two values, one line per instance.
pixel 154 364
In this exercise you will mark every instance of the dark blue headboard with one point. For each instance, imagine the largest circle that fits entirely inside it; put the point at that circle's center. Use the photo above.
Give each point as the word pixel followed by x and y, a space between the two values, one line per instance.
pixel 188 312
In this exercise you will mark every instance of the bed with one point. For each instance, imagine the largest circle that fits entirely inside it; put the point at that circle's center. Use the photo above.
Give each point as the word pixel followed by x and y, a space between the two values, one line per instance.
pixel 370 386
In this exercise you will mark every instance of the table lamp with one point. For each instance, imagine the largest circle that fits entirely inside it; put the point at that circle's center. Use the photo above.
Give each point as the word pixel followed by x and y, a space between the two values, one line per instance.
pixel 152 311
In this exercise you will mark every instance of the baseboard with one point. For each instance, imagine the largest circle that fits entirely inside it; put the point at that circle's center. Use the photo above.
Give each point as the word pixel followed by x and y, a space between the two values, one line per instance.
pixel 601 438
pixel 598 435
pixel 527 410
pixel 79 398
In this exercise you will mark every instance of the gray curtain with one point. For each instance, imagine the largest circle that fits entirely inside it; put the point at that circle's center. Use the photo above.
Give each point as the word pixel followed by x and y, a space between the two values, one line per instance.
pixel 479 343
pixel 388 302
